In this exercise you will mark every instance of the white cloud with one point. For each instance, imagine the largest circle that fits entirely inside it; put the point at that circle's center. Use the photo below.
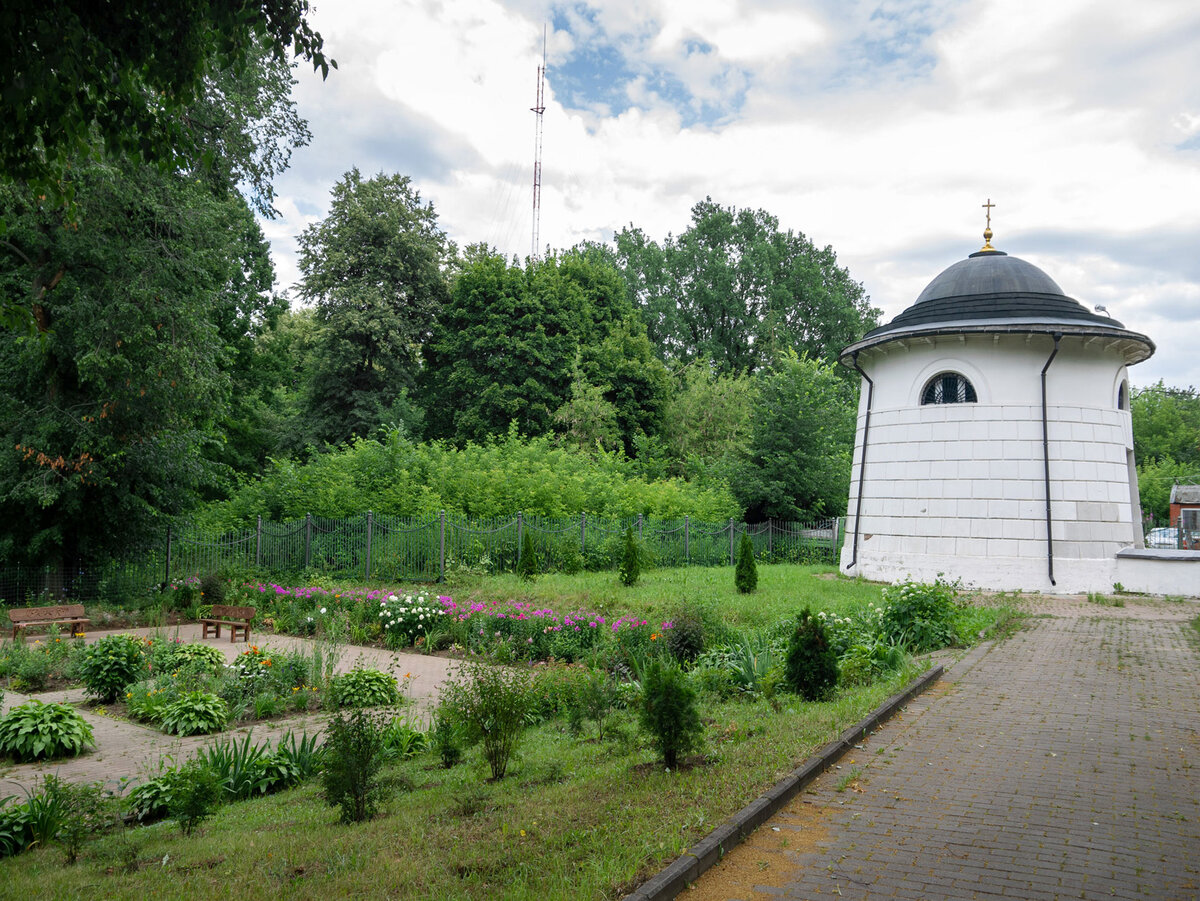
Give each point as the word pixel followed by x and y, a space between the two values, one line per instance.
pixel 876 128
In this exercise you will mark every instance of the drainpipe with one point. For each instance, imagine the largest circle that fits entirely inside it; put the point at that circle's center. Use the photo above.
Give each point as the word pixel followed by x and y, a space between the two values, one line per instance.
pixel 1046 461
pixel 862 463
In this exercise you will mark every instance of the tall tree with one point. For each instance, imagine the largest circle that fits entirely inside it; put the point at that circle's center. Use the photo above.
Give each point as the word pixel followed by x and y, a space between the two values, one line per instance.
pixel 798 464
pixel 128 80
pixel 1166 424
pixel 735 289
pixel 106 418
pixel 375 269
pixel 553 342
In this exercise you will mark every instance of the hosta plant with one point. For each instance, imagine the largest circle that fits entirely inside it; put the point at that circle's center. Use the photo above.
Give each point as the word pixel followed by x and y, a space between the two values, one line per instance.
pixel 365 688
pixel 195 713
pixel 37 731
pixel 110 664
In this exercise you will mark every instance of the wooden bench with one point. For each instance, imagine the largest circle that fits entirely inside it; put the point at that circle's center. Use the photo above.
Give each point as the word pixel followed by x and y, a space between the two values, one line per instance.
pixel 62 615
pixel 236 618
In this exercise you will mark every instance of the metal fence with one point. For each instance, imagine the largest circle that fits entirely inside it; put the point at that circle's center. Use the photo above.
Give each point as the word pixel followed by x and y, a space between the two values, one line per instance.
pixel 384 548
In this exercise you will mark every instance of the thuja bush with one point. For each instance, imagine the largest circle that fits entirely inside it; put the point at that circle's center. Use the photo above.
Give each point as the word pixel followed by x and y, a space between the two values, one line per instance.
pixel 920 616
pixel 811 668
pixel 669 712
pixel 745 576
pixel 353 757
pixel 631 566
pixel 490 704
pixel 212 589
pixel 527 566
pixel 37 731
pixel 110 664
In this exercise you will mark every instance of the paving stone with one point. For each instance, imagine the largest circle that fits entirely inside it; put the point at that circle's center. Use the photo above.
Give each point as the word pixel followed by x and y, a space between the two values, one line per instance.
pixel 1030 774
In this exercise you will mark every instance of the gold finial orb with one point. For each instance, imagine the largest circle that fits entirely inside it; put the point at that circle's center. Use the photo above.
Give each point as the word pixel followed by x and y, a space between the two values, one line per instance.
pixel 987 232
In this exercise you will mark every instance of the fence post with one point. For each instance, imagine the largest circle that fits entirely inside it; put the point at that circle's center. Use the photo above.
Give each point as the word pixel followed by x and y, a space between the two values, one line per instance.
pixel 258 543
pixel 370 527
pixel 307 540
pixel 583 534
pixel 520 536
pixel 687 557
pixel 441 545
pixel 837 528
pixel 770 538
pixel 731 541
pixel 167 580
pixel 639 527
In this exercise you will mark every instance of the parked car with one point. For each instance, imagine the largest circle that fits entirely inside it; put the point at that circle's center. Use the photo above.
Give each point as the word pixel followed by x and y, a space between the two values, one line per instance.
pixel 1166 537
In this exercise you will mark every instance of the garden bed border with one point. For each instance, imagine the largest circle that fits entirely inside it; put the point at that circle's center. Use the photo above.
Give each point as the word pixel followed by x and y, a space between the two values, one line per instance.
pixel 707 852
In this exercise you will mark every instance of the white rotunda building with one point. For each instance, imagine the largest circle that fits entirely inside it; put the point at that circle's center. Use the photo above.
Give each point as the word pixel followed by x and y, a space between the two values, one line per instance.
pixel 994 441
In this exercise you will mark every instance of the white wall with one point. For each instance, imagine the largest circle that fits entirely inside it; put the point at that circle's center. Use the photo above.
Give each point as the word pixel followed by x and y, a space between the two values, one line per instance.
pixel 959 488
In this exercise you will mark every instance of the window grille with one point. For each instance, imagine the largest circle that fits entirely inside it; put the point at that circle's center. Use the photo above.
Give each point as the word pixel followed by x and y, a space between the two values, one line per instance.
pixel 949 388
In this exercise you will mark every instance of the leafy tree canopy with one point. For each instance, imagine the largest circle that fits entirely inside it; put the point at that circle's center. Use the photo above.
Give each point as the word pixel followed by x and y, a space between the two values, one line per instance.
pixel 1166 424
pixel 735 289
pixel 119 77
pixel 798 466
pixel 375 270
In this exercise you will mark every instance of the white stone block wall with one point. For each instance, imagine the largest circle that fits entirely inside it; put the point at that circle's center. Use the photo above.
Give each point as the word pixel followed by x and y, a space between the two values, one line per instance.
pixel 959 488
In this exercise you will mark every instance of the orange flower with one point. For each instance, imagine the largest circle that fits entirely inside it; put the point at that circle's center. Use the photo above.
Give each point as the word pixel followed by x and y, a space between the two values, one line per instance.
pixel 654 636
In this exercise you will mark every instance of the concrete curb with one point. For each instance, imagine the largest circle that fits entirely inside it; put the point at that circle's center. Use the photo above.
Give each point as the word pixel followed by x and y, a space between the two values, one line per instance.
pixel 683 871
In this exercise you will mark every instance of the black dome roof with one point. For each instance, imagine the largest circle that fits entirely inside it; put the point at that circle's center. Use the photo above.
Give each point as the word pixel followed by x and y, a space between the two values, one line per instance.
pixel 992 292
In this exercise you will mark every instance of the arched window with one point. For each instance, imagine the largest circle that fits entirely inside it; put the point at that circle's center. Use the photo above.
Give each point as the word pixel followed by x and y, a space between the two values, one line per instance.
pixel 1123 396
pixel 948 388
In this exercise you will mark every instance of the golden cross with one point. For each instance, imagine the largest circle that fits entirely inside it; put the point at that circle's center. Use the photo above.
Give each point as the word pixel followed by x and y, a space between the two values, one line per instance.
pixel 988 206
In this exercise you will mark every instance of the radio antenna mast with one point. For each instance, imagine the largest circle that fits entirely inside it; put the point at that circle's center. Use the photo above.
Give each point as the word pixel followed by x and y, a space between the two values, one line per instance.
pixel 538 110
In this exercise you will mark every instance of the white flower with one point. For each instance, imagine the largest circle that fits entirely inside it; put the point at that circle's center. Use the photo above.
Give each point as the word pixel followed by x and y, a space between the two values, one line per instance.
pixel 322 609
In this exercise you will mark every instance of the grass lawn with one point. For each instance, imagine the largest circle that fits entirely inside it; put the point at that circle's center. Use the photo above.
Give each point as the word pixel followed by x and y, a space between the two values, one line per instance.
pixel 575 818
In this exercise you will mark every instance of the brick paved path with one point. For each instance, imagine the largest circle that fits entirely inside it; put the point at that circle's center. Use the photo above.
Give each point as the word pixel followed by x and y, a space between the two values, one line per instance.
pixel 1061 763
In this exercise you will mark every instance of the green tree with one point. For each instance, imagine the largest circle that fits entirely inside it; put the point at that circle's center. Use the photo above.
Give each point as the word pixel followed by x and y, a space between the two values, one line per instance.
pixel 745 575
pixel 110 414
pixel 123 80
pixel 798 464
pixel 1166 424
pixel 708 420
pixel 631 559
pixel 374 267
pixel 737 290
pixel 119 78
pixel 529 344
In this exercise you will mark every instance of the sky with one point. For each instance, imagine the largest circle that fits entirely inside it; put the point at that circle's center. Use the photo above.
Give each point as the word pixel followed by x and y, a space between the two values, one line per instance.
pixel 877 128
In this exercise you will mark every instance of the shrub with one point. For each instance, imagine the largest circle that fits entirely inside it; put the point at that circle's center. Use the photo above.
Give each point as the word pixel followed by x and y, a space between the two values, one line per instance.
pixel 195 713
pixel 811 667
pixel 669 712
pixel 527 566
pixel 365 688
pixel 490 703
pixel 446 738
pixel 145 701
pixel 631 565
pixel 594 697
pixel 37 731
pixel 212 589
pixel 83 809
pixel 920 616
pixel 199 658
pixel 353 757
pixel 406 619
pixel 111 664
pixel 686 637
pixel 401 741
pixel 745 576
pixel 195 795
